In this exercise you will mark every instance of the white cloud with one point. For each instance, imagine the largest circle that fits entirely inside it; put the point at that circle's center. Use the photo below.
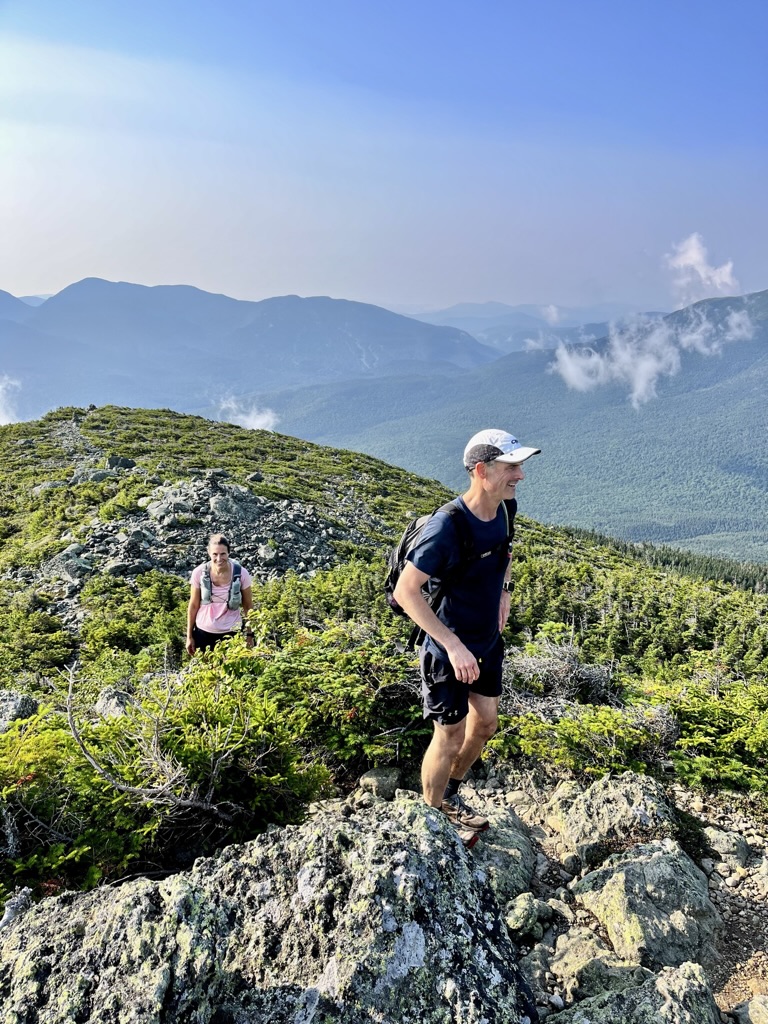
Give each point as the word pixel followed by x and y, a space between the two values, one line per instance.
pixel 695 277
pixel 740 326
pixel 551 314
pixel 535 344
pixel 639 353
pixel 7 404
pixel 251 417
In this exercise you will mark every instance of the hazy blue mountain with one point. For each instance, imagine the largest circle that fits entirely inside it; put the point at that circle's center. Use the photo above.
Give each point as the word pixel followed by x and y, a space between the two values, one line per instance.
pixel 688 467
pixel 478 316
pixel 34 300
pixel 12 308
pixel 519 328
pixel 98 341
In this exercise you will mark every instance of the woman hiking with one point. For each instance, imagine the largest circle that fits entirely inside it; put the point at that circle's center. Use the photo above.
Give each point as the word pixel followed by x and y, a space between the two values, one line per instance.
pixel 220 592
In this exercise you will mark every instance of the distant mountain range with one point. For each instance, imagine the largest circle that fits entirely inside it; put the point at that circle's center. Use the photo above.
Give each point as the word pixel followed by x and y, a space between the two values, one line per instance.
pixel 685 465
pixel 98 341
pixel 688 468
pixel 519 328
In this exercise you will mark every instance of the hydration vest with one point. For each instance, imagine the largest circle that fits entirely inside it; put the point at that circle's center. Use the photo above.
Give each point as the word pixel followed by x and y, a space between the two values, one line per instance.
pixel 234 598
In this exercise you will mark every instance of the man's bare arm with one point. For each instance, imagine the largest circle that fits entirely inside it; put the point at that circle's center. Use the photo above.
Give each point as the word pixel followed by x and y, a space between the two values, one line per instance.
pixel 408 595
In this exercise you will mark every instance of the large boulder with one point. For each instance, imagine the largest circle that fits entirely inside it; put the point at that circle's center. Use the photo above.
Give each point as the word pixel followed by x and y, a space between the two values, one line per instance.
pixel 675 996
pixel 654 904
pixel 382 916
pixel 612 813
pixel 730 847
pixel 754 1011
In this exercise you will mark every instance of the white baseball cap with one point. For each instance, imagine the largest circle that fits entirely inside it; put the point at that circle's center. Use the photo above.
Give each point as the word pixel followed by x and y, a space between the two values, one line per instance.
pixel 494 445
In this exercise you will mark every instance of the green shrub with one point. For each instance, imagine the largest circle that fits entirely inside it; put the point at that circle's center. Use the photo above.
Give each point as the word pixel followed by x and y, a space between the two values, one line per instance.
pixel 586 739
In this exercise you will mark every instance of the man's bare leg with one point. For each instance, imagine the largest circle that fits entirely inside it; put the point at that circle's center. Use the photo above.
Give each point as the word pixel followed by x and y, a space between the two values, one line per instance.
pixel 447 741
pixel 481 723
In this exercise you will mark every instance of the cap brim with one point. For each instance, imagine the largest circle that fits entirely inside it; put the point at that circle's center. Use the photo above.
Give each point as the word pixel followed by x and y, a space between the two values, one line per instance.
pixel 518 455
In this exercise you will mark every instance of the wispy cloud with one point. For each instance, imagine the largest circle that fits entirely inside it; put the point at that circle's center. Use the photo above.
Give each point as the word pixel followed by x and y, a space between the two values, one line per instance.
pixel 694 277
pixel 551 314
pixel 8 386
pixel 641 352
pixel 249 416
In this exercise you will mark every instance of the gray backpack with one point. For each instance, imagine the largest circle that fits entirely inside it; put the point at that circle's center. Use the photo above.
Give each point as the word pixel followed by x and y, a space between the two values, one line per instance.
pixel 234 598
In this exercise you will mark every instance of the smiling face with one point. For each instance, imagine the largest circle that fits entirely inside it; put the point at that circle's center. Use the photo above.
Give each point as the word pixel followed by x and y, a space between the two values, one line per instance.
pixel 219 556
pixel 502 478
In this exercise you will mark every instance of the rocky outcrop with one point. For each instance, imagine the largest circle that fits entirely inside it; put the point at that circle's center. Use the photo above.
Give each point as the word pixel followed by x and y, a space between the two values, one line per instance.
pixel 169 532
pixel 674 996
pixel 592 822
pixel 654 904
pixel 373 912
pixel 378 916
pixel 15 706
pixel 753 1011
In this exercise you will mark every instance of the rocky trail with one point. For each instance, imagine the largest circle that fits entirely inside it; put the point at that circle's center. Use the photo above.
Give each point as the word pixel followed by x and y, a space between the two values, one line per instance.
pixel 372 912
pixel 735 866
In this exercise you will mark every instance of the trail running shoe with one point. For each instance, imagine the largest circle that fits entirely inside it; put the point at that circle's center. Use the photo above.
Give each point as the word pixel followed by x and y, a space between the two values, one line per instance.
pixel 468 836
pixel 462 815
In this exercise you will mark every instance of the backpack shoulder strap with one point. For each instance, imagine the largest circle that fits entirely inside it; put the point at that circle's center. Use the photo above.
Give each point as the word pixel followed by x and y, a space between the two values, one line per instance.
pixel 206 587
pixel 510 510
pixel 463 530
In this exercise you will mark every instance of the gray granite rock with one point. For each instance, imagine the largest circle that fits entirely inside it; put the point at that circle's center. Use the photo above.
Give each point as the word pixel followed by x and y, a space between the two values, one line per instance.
pixel 377 917
pixel 613 811
pixel 14 706
pixel 654 904
pixel 674 996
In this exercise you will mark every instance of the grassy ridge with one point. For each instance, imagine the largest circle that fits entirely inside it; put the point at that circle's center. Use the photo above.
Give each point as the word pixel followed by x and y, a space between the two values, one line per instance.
pixel 616 662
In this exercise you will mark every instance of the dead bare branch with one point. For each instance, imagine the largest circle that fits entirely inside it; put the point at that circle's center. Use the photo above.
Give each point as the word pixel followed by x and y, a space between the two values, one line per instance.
pixel 164 794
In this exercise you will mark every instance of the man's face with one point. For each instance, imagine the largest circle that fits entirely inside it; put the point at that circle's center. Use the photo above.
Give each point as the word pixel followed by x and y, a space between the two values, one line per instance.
pixel 502 478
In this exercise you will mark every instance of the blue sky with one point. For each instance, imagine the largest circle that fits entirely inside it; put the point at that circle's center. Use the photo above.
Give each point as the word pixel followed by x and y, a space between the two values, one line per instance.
pixel 409 154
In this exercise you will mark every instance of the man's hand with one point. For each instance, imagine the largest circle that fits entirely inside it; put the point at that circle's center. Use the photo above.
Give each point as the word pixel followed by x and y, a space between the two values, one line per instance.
pixel 464 663
pixel 504 605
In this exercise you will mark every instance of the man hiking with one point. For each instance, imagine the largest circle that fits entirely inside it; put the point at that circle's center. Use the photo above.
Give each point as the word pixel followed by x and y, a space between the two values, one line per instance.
pixel 462 654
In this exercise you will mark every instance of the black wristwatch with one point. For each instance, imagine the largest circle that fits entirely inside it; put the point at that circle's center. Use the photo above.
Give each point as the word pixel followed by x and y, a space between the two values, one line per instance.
pixel 508 586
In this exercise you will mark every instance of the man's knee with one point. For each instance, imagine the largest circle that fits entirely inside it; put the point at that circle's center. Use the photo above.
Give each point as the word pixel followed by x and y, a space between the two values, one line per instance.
pixel 449 738
pixel 484 719
pixel 485 728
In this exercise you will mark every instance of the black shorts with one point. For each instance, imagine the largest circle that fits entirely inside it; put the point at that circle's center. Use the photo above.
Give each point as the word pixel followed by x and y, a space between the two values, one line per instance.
pixel 204 641
pixel 446 700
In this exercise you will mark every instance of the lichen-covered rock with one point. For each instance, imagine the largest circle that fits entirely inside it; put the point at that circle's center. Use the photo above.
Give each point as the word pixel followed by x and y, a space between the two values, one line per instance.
pixel 612 811
pixel 654 903
pixel 382 782
pixel 585 966
pixel 674 996
pixel 506 855
pixel 558 806
pixel 522 913
pixel 15 706
pixel 730 847
pixel 380 917
pixel 111 702
pixel 526 916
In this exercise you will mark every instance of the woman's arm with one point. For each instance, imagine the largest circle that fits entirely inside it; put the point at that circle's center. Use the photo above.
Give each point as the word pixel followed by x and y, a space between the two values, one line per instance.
pixel 247 604
pixel 192 609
